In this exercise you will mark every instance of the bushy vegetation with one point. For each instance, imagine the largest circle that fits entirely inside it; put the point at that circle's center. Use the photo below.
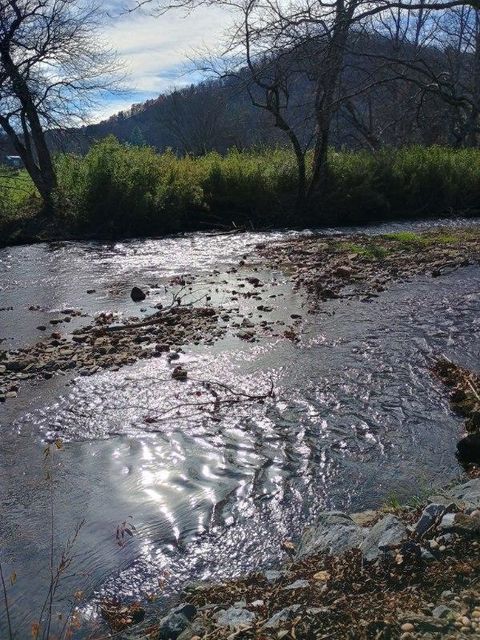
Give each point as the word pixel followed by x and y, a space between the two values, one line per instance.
pixel 409 182
pixel 119 190
pixel 16 195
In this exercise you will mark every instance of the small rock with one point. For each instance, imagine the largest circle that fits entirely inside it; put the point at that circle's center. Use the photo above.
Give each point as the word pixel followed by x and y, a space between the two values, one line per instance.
pixel 257 603
pixel 333 533
pixel 431 514
pixel 272 575
pixel 423 623
pixel 175 623
pixel 298 584
pixel 343 271
pixel 443 612
pixel 137 295
pixel 281 616
pixel 446 522
pixel 179 373
pixel 234 618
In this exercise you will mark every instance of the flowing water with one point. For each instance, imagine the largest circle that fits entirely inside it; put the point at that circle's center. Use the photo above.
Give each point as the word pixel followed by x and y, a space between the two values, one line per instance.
pixel 356 418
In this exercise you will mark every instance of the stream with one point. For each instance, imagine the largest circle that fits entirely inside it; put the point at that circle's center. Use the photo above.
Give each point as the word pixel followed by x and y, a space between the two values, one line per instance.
pixel 357 419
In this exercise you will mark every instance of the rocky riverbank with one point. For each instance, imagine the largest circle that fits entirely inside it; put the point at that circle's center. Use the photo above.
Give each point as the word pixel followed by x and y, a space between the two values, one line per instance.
pixel 406 573
pixel 106 344
pixel 361 266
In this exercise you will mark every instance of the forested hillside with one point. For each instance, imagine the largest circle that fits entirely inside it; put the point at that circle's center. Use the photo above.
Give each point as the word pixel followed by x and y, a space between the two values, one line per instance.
pixel 396 89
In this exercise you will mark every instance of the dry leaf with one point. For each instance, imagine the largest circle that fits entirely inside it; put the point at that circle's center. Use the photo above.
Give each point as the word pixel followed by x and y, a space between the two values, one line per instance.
pixel 322 576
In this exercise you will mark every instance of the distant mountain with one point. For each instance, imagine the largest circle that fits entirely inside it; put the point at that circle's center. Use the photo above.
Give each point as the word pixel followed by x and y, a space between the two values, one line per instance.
pixel 218 114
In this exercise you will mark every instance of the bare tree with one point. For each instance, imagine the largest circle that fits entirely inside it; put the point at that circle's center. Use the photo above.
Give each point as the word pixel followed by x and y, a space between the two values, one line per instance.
pixel 52 68
pixel 282 43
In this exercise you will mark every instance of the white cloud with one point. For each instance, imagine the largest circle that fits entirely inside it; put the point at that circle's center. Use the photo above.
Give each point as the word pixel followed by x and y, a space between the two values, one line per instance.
pixel 156 50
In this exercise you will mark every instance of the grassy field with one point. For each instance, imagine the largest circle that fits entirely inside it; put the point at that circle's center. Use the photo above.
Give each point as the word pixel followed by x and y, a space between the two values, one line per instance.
pixel 119 190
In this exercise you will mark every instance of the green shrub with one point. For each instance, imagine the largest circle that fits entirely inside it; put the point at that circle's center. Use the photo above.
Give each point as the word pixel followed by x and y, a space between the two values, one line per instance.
pixel 129 190
pixel 119 189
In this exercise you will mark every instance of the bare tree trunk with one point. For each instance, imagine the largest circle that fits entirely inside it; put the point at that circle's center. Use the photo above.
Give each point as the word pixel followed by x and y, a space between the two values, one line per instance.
pixel 327 85
pixel 34 150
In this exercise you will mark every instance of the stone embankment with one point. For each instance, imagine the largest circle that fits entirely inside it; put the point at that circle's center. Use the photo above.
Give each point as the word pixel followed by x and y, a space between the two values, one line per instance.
pixel 409 573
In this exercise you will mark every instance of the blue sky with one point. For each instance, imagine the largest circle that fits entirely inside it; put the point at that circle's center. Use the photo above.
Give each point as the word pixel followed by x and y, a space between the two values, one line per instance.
pixel 156 50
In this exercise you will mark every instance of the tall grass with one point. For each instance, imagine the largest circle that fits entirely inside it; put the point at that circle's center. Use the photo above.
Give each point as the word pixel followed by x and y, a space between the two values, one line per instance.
pixel 117 189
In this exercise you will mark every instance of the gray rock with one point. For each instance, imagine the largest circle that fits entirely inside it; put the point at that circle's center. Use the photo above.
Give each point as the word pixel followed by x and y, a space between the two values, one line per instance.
pixel 431 514
pixel 447 522
pixel 388 532
pixel 423 623
pixel 427 556
pixel 272 575
pixel 443 612
pixel 298 584
pixel 333 533
pixel 281 616
pixel 196 628
pixel 467 493
pixel 234 618
pixel 176 622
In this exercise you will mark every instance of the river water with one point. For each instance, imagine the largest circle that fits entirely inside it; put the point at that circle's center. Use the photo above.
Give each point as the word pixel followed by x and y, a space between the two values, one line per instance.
pixel 356 419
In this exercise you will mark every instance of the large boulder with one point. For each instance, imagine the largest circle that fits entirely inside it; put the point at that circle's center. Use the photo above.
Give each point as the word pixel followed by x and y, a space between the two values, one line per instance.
pixel 388 532
pixel 333 533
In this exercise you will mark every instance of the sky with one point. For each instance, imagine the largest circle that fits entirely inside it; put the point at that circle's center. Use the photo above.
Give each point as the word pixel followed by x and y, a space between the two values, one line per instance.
pixel 156 51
